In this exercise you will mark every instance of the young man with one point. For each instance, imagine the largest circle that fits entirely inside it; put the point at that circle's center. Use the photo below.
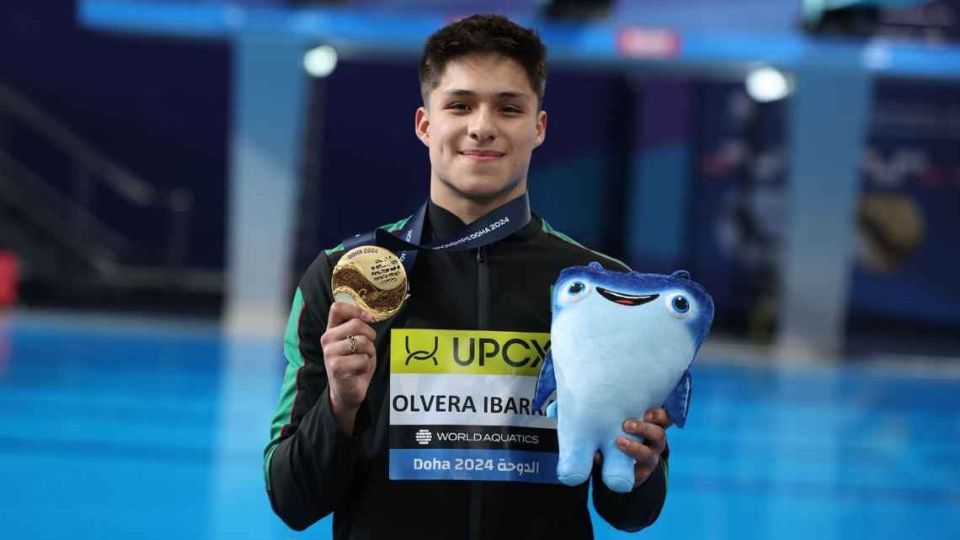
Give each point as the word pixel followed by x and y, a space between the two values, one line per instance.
pixel 361 401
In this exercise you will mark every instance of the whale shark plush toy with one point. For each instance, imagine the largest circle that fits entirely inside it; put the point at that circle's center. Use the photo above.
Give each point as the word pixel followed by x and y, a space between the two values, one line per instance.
pixel 622 343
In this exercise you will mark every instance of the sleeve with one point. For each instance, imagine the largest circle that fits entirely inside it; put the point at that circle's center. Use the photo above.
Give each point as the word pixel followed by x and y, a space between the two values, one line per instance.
pixel 309 462
pixel 639 508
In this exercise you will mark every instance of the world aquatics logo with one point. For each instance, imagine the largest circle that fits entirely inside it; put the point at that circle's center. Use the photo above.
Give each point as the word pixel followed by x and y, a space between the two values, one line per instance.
pixel 423 437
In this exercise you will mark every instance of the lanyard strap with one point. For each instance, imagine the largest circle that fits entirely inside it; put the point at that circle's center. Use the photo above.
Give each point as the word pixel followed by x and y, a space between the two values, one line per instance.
pixel 492 227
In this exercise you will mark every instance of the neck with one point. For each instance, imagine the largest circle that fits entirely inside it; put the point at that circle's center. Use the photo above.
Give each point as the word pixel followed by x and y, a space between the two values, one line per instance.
pixel 470 209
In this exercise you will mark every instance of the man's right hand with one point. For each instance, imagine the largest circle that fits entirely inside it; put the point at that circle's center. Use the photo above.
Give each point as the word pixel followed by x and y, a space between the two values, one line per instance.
pixel 349 361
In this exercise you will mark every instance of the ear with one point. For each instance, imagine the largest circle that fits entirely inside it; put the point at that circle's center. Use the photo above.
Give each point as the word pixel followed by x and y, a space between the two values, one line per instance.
pixel 421 125
pixel 541 127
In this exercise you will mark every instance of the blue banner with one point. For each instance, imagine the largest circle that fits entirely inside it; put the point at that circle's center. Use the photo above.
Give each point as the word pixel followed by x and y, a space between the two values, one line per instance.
pixel 474 464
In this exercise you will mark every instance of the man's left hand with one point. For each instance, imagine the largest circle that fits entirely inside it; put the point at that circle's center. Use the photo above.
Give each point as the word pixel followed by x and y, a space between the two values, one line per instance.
pixel 652 431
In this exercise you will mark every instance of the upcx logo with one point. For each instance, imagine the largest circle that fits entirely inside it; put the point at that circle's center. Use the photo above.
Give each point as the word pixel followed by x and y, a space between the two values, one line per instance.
pixel 467 351
pixel 421 355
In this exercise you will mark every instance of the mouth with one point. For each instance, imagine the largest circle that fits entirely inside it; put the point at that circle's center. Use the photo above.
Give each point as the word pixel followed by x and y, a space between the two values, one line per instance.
pixel 627 299
pixel 482 155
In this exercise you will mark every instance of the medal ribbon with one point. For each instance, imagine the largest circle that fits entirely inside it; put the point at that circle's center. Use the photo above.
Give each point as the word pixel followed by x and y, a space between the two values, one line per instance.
pixel 492 227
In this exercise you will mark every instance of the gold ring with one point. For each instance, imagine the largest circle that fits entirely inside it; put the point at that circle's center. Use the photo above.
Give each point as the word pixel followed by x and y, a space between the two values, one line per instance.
pixel 353 344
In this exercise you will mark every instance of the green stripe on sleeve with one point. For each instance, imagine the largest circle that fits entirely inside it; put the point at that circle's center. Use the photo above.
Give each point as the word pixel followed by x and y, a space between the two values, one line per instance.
pixel 397 225
pixel 547 228
pixel 331 251
pixel 288 390
pixel 666 474
pixel 390 227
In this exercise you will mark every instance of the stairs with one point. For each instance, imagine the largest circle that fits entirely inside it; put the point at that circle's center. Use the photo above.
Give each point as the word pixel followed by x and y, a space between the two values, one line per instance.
pixel 71 256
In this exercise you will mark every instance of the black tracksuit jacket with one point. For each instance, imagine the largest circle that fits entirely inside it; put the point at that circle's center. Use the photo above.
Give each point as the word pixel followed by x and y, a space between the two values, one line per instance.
pixel 313 469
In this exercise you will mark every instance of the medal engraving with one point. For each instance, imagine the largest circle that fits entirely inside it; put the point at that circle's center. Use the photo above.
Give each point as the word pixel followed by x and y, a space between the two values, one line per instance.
pixel 371 278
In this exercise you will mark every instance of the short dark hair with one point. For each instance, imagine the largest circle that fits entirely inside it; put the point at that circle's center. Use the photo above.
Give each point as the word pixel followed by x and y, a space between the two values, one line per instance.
pixel 484 34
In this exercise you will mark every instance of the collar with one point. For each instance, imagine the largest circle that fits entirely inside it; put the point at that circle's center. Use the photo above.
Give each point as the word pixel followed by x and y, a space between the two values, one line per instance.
pixel 441 223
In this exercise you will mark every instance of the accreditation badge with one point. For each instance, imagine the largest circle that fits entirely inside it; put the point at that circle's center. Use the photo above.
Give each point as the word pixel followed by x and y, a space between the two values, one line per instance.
pixel 460 407
pixel 372 278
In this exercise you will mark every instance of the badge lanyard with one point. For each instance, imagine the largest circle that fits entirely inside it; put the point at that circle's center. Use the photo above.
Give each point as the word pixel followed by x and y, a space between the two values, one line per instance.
pixel 492 227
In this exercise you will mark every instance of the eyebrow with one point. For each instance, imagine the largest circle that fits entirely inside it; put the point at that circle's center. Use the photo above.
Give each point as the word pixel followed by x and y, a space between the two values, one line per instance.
pixel 471 93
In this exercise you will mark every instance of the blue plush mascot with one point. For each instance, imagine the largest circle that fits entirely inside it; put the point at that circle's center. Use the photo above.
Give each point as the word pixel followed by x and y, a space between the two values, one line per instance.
pixel 621 343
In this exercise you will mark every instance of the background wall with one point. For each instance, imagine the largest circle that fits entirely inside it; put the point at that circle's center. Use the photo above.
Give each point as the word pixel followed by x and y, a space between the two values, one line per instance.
pixel 160 107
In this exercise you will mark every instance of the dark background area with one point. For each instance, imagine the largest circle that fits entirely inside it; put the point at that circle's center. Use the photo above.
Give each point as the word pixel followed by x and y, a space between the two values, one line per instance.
pixel 161 108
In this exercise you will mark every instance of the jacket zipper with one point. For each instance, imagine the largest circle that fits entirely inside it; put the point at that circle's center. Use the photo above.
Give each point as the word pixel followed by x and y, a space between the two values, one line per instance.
pixel 483 322
pixel 483 285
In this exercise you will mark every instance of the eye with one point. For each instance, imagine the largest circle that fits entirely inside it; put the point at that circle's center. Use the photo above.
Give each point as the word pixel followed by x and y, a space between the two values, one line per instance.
pixel 678 305
pixel 458 106
pixel 574 291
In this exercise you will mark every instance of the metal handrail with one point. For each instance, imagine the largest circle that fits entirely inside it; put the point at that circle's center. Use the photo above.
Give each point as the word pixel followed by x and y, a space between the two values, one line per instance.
pixel 118 178
pixel 93 165
pixel 52 217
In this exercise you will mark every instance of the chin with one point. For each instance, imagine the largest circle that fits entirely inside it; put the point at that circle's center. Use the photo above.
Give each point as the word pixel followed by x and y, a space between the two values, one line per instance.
pixel 467 183
pixel 484 191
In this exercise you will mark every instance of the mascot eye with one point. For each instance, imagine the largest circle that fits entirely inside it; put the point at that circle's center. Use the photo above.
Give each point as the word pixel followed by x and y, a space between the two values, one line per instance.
pixel 678 305
pixel 574 291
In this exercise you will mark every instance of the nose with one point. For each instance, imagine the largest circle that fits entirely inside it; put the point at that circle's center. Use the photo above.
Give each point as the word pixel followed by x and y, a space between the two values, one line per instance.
pixel 482 127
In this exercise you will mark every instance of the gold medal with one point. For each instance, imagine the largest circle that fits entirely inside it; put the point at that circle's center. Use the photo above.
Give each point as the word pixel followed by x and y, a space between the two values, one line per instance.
pixel 372 278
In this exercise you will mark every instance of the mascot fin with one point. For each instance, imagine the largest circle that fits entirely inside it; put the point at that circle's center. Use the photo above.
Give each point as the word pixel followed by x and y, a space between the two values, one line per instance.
pixel 678 403
pixel 546 383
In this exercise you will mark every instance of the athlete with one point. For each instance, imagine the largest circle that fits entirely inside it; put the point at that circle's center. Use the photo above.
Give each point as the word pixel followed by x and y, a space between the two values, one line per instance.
pixel 337 444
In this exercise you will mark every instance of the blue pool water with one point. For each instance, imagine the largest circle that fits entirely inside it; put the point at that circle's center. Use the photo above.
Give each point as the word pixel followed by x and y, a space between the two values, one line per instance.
pixel 122 429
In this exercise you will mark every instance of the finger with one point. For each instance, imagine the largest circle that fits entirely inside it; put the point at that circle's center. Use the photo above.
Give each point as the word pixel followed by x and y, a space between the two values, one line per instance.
pixel 643 455
pixel 341 312
pixel 632 425
pixel 353 327
pixel 343 347
pixel 652 434
pixel 342 367
pixel 658 416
